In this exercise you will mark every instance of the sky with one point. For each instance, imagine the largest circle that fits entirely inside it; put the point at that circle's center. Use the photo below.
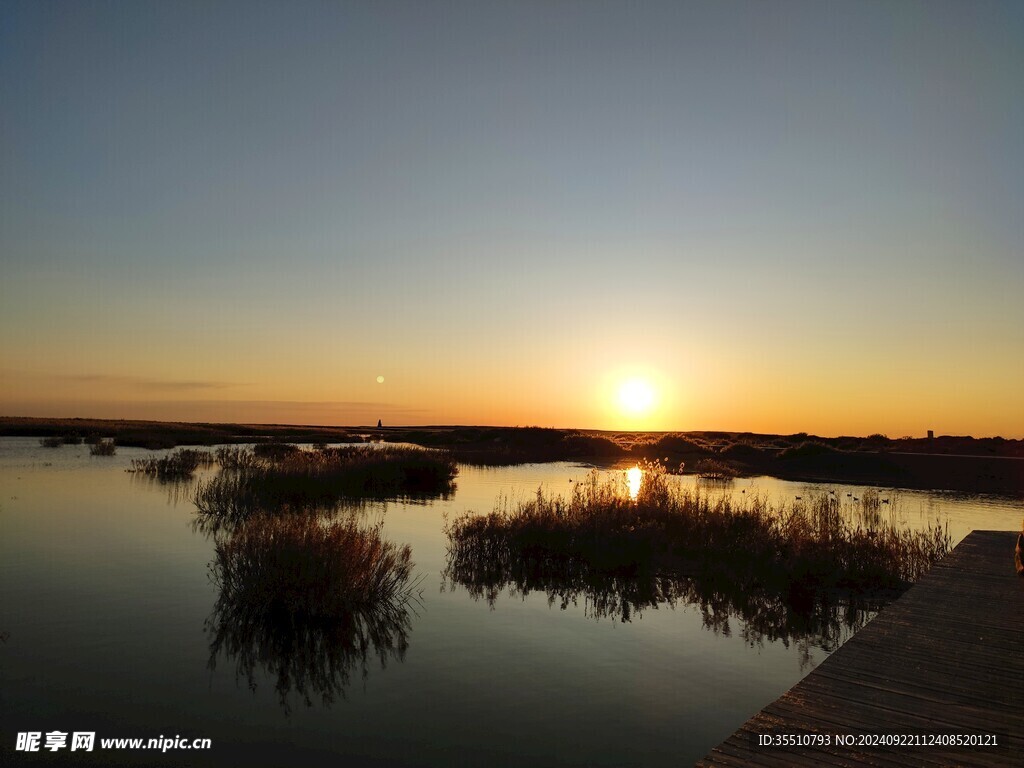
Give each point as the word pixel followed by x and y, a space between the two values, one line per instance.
pixel 761 216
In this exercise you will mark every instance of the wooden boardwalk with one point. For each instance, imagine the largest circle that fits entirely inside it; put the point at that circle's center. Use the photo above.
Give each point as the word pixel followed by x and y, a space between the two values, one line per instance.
pixel 946 658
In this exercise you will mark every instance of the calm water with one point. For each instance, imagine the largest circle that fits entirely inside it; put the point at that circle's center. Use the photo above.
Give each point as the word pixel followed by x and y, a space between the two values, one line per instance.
pixel 105 597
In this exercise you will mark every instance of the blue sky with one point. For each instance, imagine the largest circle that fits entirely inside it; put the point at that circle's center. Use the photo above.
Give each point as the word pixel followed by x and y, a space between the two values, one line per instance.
pixel 781 210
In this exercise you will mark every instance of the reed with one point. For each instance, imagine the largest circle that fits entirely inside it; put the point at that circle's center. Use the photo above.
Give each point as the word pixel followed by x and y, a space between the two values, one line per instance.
pixel 103 448
pixel 301 564
pixel 175 466
pixel 713 469
pixel 237 458
pixel 274 450
pixel 798 550
pixel 51 442
pixel 323 478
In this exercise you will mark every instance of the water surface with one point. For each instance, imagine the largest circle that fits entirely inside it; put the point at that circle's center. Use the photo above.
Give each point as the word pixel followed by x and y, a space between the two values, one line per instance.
pixel 106 599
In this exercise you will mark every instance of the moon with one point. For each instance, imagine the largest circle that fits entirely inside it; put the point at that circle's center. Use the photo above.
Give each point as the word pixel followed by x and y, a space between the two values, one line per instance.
pixel 380 379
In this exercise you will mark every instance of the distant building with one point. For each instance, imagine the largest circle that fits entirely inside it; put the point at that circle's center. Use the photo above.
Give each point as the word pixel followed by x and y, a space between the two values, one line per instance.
pixel 379 425
pixel 931 433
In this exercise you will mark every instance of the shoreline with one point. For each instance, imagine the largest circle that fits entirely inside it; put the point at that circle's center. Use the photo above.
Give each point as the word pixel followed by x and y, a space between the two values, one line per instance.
pixel 964 464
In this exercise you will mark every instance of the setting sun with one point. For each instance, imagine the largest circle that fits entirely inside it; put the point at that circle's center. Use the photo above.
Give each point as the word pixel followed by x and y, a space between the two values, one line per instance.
pixel 636 397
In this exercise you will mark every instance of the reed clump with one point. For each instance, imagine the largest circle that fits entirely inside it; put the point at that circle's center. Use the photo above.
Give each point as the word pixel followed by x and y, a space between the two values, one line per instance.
pixel 230 457
pixel 798 550
pixel 274 450
pixel 175 466
pixel 310 602
pixel 301 564
pixel 713 469
pixel 56 441
pixel 103 448
pixel 321 479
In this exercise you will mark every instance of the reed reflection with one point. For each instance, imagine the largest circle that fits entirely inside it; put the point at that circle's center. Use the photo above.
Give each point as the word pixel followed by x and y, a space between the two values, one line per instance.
pixel 310 603
pixel 177 490
pixel 222 519
pixel 727 607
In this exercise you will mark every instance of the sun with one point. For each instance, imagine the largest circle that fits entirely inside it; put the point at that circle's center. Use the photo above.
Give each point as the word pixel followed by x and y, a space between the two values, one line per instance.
pixel 636 397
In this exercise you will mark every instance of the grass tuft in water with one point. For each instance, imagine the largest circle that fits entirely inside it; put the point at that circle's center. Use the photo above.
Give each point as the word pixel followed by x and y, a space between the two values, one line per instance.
pixel 713 469
pixel 800 551
pixel 306 566
pixel 175 466
pixel 275 451
pixel 304 480
pixel 237 458
pixel 56 441
pixel 103 448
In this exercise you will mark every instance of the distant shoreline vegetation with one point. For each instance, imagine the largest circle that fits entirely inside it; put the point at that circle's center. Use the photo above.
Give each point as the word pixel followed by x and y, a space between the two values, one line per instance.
pixel 994 465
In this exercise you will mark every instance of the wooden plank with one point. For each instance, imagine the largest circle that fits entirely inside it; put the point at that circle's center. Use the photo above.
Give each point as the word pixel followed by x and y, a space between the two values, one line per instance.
pixel 945 658
pixel 889 685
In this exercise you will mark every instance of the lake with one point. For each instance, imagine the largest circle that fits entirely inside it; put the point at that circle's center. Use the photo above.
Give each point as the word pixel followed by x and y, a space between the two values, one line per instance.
pixel 106 608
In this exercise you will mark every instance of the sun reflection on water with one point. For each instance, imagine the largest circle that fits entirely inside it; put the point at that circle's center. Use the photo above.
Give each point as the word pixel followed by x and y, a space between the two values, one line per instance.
pixel 633 477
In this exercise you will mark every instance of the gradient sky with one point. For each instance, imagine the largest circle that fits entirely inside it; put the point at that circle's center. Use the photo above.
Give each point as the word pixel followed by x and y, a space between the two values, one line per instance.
pixel 785 216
